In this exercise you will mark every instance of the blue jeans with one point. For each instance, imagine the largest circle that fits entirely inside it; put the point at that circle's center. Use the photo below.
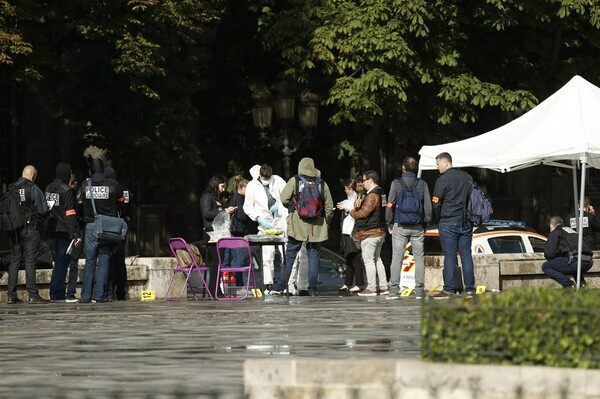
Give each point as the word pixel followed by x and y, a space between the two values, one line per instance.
pixel 95 251
pixel 61 266
pixel 26 246
pixel 240 258
pixel 313 250
pixel 456 236
pixel 560 269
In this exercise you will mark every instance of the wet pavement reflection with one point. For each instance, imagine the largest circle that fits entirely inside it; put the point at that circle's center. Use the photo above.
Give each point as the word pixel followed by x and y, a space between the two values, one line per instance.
pixel 134 349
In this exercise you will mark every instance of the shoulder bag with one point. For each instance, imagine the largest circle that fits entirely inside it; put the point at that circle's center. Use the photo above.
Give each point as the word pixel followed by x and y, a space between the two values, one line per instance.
pixel 108 229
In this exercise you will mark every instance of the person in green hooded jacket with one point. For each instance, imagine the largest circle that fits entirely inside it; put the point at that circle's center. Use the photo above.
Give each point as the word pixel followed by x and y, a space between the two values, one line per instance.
pixel 313 231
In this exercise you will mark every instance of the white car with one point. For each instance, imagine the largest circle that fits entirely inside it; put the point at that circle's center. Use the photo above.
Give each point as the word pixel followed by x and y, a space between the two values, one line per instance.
pixel 497 237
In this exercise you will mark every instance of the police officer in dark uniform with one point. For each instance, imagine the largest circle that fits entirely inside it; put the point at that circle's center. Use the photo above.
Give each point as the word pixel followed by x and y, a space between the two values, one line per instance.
pixel 27 238
pixel 117 279
pixel 590 223
pixel 73 274
pixel 561 254
pixel 105 192
pixel 62 228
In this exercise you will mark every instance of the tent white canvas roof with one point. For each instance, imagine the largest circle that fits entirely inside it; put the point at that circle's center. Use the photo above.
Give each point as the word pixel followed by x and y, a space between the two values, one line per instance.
pixel 562 128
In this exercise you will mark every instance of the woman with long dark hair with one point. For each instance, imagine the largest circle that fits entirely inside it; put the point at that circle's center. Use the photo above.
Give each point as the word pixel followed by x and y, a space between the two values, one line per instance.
pixel 213 200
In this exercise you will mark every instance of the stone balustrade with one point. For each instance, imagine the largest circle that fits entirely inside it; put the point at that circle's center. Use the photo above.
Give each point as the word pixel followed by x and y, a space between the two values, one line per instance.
pixel 496 272
pixel 142 274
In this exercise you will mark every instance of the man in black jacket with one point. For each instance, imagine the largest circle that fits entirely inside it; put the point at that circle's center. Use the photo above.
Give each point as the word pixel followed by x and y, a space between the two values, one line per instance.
pixel 105 192
pixel 62 228
pixel 27 238
pixel 590 223
pixel 456 234
pixel 561 254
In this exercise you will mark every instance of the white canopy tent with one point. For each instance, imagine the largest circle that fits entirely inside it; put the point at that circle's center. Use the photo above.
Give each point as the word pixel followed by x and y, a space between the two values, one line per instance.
pixel 562 131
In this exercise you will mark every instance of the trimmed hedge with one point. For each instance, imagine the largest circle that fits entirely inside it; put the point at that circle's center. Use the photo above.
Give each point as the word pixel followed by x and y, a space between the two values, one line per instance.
pixel 547 326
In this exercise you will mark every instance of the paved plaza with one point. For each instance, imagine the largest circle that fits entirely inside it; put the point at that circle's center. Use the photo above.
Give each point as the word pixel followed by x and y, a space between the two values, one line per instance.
pixel 158 349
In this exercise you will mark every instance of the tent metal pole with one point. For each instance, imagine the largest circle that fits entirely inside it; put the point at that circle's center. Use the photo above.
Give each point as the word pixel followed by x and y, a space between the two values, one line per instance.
pixel 576 198
pixel 580 220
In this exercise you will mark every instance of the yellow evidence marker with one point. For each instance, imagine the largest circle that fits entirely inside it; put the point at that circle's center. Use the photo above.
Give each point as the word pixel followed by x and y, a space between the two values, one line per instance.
pixel 148 295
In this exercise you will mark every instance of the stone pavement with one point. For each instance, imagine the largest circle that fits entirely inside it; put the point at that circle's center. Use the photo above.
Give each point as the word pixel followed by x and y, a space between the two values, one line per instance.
pixel 158 349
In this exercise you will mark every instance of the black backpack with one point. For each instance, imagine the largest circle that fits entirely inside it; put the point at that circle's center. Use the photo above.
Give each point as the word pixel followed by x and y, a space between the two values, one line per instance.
pixel 409 207
pixel 14 211
pixel 478 209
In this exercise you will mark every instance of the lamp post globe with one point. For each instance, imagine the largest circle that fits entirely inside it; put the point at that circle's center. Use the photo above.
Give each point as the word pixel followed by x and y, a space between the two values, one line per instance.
pixel 262 109
pixel 285 103
pixel 308 110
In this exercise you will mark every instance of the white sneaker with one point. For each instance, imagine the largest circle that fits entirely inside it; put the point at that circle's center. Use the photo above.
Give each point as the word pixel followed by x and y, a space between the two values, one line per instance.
pixel 392 296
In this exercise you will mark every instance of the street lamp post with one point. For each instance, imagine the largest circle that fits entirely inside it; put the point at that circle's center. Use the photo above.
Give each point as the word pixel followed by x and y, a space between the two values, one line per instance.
pixel 285 104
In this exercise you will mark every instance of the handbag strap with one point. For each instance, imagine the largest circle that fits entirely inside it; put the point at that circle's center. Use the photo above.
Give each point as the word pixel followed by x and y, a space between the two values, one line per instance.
pixel 89 184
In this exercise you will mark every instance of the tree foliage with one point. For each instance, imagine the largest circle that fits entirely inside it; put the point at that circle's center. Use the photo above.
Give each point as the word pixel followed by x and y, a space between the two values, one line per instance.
pixel 124 71
pixel 430 67
pixel 160 79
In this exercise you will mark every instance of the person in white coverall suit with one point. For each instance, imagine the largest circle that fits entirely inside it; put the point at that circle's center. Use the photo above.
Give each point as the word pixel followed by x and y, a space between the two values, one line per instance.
pixel 263 205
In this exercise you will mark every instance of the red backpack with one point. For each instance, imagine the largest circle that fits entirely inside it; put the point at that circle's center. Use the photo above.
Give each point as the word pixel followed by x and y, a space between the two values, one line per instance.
pixel 308 201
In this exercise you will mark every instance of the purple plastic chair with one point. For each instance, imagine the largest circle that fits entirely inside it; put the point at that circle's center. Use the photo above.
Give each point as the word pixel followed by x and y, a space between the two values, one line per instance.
pixel 186 264
pixel 234 244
